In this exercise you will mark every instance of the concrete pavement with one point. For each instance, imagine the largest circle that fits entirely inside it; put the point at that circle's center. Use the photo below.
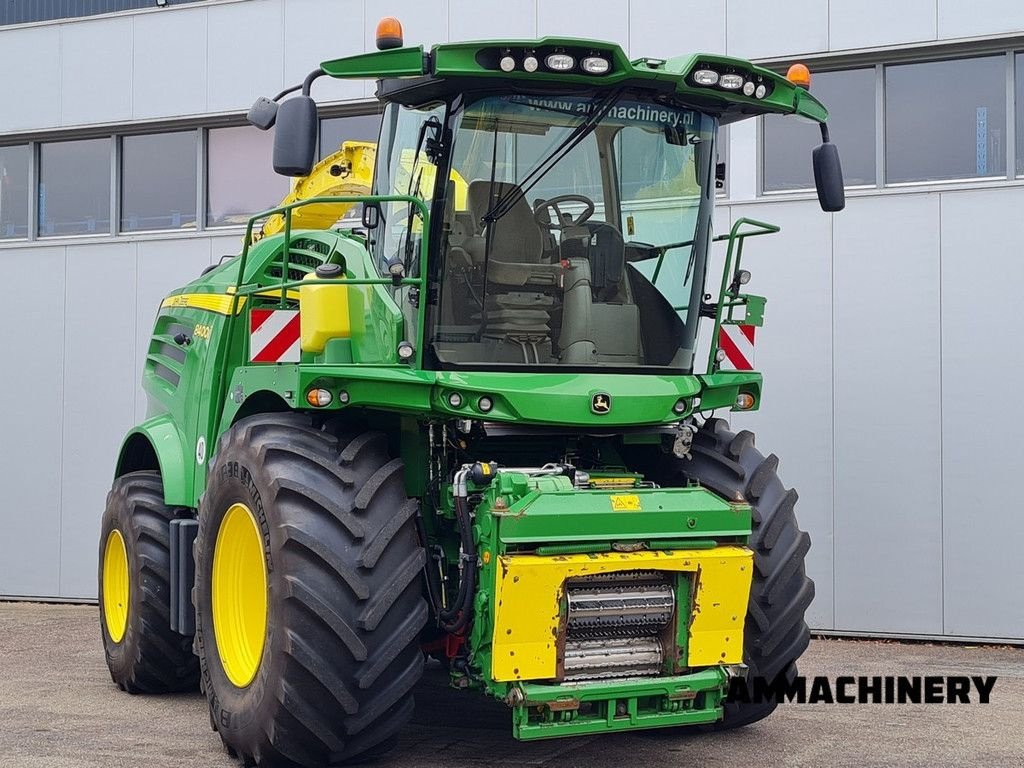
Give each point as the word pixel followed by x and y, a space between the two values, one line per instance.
pixel 58 709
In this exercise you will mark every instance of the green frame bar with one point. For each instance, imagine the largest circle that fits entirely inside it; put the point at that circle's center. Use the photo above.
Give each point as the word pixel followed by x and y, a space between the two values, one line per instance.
pixel 565 696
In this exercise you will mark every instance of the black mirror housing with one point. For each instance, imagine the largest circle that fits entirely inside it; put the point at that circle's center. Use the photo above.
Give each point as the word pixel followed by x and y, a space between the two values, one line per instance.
pixel 371 215
pixel 263 113
pixel 828 177
pixel 295 137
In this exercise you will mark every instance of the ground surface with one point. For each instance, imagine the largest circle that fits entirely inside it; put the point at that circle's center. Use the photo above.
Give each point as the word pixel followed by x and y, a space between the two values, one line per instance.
pixel 58 709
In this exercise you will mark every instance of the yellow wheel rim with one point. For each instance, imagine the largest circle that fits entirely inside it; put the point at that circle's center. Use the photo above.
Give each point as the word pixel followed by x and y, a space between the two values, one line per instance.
pixel 115 586
pixel 239 595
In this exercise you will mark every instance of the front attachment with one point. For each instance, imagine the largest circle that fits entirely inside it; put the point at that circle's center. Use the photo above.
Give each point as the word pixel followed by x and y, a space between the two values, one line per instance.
pixel 606 610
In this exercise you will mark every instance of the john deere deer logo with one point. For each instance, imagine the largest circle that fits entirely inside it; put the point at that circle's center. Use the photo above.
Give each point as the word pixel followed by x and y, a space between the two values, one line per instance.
pixel 601 403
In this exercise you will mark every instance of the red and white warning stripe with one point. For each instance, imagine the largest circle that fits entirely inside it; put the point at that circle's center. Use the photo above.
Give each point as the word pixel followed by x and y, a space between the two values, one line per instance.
pixel 737 341
pixel 274 336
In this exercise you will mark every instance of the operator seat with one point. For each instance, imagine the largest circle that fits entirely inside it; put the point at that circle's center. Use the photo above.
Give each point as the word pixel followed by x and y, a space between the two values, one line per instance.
pixel 517 244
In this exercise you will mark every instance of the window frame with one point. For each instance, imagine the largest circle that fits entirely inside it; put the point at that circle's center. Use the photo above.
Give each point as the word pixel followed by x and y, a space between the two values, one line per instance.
pixel 113 189
pixel 196 225
pixel 916 54
pixel 116 135
pixel 29 190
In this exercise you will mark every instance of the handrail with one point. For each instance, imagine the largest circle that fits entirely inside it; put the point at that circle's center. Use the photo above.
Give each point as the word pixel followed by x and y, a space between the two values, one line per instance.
pixel 241 291
pixel 734 237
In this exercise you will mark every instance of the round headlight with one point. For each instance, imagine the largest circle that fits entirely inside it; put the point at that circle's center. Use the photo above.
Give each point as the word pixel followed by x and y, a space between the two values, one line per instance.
pixel 705 77
pixel 485 404
pixel 761 91
pixel 530 64
pixel 731 82
pixel 507 63
pixel 680 406
pixel 595 65
pixel 560 62
pixel 455 400
pixel 405 351
pixel 748 88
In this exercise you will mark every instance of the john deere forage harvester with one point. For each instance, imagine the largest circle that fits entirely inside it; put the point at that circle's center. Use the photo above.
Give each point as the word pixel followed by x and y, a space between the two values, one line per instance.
pixel 476 428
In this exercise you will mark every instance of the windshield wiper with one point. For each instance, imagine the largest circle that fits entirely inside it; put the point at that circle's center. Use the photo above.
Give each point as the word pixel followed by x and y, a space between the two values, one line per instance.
pixel 505 203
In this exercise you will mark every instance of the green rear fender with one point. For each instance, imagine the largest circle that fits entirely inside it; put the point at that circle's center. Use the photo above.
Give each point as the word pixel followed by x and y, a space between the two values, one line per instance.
pixel 157 444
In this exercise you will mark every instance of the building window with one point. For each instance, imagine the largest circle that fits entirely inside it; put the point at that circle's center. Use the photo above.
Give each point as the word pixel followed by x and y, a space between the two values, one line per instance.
pixel 158 181
pixel 945 120
pixel 14 194
pixel 241 179
pixel 27 11
pixel 849 96
pixel 74 187
pixel 335 130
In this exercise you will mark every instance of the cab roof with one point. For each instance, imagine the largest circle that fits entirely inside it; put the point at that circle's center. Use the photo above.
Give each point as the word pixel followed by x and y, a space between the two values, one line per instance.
pixel 709 82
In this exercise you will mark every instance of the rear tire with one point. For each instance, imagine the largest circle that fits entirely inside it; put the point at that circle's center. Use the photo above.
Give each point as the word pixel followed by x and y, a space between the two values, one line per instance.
pixel 147 656
pixel 775 633
pixel 344 604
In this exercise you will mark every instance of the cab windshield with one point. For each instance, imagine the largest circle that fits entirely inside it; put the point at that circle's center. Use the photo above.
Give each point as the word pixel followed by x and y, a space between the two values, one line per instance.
pixel 574 233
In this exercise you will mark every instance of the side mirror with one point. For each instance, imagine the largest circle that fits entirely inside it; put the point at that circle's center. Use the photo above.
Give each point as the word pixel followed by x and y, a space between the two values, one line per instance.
pixel 828 177
pixel 263 113
pixel 295 137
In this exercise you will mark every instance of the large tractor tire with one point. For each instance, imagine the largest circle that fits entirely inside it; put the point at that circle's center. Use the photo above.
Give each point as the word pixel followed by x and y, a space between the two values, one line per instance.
pixel 775 633
pixel 308 593
pixel 143 653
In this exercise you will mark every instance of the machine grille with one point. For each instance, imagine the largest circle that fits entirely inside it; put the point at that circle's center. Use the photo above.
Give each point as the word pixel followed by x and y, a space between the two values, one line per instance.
pixel 614 623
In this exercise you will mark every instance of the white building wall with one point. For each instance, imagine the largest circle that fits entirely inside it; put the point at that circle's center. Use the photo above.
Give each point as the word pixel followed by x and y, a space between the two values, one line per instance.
pixel 890 373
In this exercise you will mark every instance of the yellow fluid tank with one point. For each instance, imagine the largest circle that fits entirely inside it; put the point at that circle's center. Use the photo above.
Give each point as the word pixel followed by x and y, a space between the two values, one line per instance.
pixel 324 309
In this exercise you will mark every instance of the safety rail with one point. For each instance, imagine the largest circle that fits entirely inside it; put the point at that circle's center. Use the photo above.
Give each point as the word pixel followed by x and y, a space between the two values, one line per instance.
pixel 728 300
pixel 241 290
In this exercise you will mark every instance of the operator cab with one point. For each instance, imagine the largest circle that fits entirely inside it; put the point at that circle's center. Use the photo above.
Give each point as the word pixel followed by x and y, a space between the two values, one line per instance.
pixel 555 214
pixel 554 217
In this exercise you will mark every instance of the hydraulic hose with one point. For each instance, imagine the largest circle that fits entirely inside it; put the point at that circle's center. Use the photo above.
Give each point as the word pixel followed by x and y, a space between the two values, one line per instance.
pixel 456 618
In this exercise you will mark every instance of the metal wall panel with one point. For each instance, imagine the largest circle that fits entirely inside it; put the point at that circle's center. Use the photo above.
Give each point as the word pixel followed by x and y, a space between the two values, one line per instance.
pixel 36 89
pixel 169 64
pixel 794 351
pixel 664 28
pixel 758 29
pixel 582 18
pixel 888 505
pixel 245 53
pixel 320 30
pixel 515 19
pixel 867 23
pixel 979 17
pixel 982 419
pixel 96 71
pixel 30 451
pixel 99 398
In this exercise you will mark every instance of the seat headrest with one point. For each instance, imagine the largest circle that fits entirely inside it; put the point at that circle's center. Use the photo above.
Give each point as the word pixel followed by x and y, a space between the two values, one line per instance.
pixel 482 195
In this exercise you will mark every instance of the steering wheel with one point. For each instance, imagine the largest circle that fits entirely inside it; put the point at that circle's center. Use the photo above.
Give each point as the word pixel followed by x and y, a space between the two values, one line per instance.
pixel 560 220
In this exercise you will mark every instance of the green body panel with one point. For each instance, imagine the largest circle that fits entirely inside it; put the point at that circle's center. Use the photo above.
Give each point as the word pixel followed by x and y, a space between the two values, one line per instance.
pixel 175 459
pixel 565 515
pixel 397 62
